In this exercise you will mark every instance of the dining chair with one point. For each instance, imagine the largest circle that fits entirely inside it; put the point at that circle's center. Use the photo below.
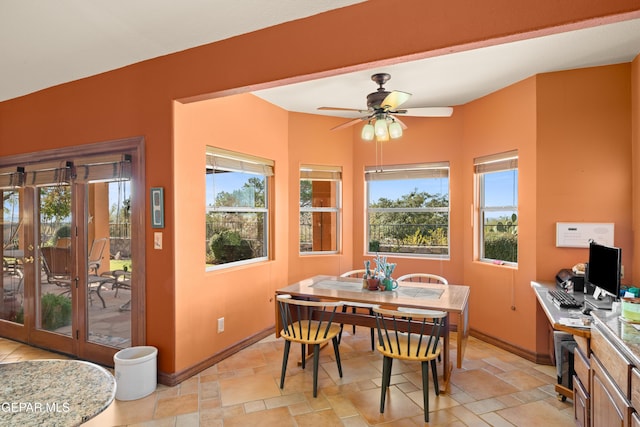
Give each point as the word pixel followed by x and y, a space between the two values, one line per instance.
pixel 409 335
pixel 424 278
pixel 355 305
pixel 308 323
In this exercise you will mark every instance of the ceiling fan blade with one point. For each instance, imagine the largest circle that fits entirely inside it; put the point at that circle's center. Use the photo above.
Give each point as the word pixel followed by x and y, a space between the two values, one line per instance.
pixel 349 123
pixel 342 109
pixel 394 100
pixel 429 112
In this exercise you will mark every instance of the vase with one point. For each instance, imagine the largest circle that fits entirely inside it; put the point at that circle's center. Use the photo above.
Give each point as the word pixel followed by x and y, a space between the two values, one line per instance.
pixel 374 284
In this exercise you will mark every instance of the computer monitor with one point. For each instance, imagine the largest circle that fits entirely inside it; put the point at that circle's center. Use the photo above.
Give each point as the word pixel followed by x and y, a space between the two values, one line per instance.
pixel 604 270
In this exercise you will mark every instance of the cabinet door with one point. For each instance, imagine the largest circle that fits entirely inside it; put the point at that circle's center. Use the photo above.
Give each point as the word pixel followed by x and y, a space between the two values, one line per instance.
pixel 580 403
pixel 608 405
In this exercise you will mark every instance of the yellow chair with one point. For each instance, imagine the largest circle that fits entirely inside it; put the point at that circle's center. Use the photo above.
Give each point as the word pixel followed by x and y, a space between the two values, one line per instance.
pixel 308 323
pixel 424 278
pixel 418 342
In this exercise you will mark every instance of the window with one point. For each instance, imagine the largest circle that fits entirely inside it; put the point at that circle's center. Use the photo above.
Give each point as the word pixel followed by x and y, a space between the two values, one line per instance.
pixel 497 186
pixel 319 208
pixel 237 221
pixel 408 209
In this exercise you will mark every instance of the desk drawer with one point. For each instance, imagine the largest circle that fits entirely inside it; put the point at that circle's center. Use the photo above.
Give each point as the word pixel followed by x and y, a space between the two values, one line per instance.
pixel 583 344
pixel 635 388
pixel 581 368
pixel 616 364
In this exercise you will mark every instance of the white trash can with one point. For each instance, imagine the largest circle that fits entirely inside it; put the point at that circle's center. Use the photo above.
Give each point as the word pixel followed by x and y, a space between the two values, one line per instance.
pixel 135 372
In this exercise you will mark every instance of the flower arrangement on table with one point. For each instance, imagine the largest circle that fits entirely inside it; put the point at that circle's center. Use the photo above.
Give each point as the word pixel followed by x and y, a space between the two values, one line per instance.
pixel 380 277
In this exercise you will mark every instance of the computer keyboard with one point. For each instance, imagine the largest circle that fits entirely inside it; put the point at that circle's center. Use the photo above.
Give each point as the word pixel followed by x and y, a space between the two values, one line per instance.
pixel 563 299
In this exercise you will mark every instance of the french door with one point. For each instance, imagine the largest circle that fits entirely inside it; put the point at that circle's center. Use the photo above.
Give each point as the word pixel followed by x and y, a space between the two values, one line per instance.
pixel 71 280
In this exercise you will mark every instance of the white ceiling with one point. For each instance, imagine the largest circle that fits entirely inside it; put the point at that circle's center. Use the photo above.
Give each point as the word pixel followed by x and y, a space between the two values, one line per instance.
pixel 45 43
pixel 458 78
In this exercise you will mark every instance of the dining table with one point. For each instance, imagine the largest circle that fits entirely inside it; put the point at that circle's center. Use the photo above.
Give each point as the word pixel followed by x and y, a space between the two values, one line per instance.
pixel 452 299
pixel 53 392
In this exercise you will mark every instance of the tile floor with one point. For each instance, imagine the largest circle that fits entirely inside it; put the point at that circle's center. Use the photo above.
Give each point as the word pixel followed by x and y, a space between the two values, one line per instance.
pixel 493 388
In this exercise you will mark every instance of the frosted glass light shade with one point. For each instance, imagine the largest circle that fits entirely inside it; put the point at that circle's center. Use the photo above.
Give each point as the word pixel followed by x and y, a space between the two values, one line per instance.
pixel 382 131
pixel 368 132
pixel 395 130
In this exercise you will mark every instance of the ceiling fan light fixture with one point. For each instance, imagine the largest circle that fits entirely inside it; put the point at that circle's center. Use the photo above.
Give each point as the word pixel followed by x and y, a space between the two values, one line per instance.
pixel 368 132
pixel 395 130
pixel 381 129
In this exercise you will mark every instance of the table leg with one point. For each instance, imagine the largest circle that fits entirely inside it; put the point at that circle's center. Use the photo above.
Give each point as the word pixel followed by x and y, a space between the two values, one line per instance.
pixel 447 365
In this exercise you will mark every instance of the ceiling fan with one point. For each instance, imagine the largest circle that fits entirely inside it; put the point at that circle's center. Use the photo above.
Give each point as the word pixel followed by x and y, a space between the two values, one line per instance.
pixel 383 105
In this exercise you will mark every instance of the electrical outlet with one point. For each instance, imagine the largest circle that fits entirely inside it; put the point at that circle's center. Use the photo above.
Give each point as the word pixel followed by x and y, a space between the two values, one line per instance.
pixel 622 271
pixel 221 324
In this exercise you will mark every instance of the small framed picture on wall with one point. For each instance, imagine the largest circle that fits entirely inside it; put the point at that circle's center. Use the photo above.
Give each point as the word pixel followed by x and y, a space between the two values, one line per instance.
pixel 157 207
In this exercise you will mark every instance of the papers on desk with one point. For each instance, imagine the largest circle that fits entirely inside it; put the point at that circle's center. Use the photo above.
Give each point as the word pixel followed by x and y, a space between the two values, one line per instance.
pixel 575 322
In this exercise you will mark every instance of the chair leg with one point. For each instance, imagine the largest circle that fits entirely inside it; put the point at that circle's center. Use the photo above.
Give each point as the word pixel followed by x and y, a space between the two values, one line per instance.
pixel 304 354
pixel 344 310
pixel 336 351
pixel 353 310
pixel 285 359
pixel 425 390
pixel 373 340
pixel 387 363
pixel 434 372
pixel 316 357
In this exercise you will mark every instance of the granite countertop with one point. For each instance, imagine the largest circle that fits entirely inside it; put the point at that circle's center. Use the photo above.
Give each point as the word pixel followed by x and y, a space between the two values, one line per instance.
pixel 623 332
pixel 53 392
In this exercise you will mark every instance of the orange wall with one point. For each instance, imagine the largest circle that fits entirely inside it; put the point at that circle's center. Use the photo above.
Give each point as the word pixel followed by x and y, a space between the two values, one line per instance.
pixel 312 142
pixel 139 100
pixel 635 158
pixel 501 302
pixel 242 295
pixel 584 160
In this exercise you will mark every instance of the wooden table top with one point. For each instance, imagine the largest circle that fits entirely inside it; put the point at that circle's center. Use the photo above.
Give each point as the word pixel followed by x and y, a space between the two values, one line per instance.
pixel 450 298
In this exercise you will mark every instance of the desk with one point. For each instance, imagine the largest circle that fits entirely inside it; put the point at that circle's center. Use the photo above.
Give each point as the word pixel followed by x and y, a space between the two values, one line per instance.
pixel 554 314
pixel 53 392
pixel 450 298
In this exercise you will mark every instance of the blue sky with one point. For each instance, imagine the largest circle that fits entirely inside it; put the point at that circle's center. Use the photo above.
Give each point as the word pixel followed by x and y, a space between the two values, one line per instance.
pixel 499 185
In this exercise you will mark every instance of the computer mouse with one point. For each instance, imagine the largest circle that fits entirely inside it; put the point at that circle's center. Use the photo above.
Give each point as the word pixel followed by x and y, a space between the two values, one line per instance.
pixel 587 310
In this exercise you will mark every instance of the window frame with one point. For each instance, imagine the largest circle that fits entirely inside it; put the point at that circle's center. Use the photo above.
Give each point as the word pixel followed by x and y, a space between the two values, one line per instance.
pixel 231 161
pixel 405 172
pixel 495 163
pixel 322 173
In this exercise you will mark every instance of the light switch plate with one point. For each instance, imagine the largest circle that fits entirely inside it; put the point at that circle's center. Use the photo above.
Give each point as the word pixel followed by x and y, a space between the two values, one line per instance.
pixel 157 240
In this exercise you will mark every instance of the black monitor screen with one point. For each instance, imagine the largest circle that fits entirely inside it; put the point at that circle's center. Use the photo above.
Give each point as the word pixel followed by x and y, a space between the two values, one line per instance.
pixel 605 267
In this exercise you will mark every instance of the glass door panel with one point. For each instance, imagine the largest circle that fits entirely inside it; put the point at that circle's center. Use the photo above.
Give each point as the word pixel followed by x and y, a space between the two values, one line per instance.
pixel 56 276
pixel 12 290
pixel 109 263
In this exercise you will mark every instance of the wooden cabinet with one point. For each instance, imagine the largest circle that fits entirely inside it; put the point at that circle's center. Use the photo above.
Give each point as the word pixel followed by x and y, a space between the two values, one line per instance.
pixel 581 388
pixel 613 379
pixel 635 388
pixel 581 404
pixel 609 406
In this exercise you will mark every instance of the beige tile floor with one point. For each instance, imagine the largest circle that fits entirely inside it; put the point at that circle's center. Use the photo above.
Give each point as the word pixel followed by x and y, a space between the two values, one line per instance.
pixel 493 388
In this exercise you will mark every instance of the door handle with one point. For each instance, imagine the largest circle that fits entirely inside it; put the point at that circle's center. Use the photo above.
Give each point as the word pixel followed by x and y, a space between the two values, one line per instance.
pixel 28 259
